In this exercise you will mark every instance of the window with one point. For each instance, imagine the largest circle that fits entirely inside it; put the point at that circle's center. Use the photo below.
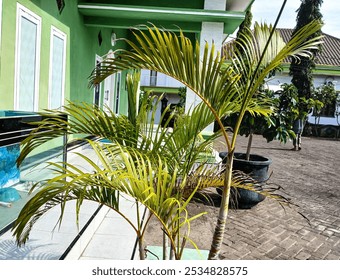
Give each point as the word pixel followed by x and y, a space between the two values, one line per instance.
pixel 57 69
pixel 27 60
pixel 153 78
pixel 109 88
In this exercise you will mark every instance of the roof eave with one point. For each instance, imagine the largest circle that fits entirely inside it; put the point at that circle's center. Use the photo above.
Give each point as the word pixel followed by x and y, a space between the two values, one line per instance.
pixel 319 69
pixel 105 14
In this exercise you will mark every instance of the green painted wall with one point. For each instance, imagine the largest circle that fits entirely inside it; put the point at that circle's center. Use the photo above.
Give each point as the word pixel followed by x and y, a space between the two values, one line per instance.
pixel 8 53
pixel 82 48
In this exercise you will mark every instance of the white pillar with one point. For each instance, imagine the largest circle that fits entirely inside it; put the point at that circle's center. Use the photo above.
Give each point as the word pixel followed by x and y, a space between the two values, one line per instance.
pixel 215 5
pixel 211 32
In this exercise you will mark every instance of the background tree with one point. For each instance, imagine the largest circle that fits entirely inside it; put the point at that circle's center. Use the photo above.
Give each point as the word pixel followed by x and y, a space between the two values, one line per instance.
pixel 301 67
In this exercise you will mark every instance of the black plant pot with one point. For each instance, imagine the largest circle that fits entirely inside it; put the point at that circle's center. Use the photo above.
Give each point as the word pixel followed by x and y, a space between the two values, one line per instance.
pixel 257 167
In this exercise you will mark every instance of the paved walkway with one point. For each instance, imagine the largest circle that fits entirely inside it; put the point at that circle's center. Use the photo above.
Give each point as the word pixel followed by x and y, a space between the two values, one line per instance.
pixel 114 238
pixel 311 177
pixel 101 234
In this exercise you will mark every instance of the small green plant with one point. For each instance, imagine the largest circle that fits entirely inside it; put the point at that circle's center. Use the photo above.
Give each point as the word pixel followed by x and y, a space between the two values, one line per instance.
pixel 291 107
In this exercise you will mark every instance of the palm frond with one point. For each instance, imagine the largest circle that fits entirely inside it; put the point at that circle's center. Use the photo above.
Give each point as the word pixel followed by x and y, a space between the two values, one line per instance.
pixel 185 143
pixel 117 169
pixel 211 176
pixel 132 84
pixel 82 118
pixel 176 56
pixel 257 56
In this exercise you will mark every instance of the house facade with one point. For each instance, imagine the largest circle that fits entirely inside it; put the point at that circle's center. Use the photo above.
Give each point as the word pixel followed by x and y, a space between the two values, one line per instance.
pixel 327 70
pixel 50 47
pixel 47 53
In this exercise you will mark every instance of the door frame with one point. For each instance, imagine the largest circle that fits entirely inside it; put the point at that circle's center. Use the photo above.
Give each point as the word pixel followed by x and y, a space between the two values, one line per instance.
pixel 109 88
pixel 56 32
pixel 29 15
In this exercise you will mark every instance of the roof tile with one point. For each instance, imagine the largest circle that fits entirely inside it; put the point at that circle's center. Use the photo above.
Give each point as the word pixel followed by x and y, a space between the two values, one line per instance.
pixel 330 51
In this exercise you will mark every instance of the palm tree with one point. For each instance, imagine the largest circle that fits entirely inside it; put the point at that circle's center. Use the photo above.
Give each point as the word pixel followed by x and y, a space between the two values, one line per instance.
pixel 118 169
pixel 157 169
pixel 153 167
pixel 224 87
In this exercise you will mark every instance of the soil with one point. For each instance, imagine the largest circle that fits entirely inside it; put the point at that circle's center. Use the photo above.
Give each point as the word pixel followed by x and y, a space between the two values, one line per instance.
pixel 309 177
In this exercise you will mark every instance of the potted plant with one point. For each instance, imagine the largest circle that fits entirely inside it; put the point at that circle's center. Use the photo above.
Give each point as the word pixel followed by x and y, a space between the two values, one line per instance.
pixel 278 126
pixel 257 166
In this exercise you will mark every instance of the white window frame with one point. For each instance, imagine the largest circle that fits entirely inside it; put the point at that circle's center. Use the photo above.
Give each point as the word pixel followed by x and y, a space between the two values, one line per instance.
pixel 56 32
pixel 29 15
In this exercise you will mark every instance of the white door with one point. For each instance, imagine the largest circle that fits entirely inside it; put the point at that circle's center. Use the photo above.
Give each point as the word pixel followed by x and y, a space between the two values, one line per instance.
pixel 109 86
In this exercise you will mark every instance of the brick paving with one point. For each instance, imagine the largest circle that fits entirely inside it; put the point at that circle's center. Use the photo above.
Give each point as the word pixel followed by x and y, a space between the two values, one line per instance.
pixel 311 177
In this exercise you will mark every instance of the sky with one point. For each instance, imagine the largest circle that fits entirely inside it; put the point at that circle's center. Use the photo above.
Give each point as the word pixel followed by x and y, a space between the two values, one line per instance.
pixel 267 11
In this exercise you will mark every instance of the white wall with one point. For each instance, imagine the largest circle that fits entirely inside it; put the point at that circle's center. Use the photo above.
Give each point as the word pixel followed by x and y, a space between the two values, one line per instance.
pixel 275 82
pixel 162 80
pixel 211 32
pixel 215 5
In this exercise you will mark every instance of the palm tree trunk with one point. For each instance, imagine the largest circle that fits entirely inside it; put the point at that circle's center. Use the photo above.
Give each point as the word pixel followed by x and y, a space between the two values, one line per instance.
pixel 172 253
pixel 223 213
pixel 165 247
pixel 141 248
pixel 250 140
pixel 139 234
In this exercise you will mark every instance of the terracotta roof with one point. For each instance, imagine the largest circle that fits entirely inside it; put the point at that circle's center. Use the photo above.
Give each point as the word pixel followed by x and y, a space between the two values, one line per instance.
pixel 330 54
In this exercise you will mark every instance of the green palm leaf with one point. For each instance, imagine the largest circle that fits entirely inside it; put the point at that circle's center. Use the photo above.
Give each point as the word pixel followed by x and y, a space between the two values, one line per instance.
pixel 117 169
pixel 219 87
pixel 147 166
pixel 223 89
